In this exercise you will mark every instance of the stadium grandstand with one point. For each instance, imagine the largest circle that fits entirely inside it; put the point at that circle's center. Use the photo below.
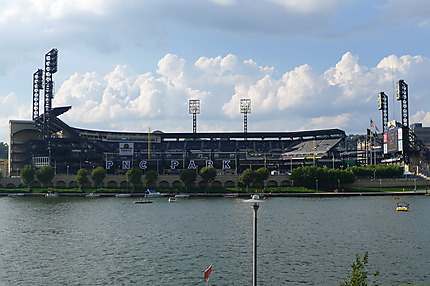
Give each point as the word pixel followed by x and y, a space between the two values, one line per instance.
pixel 68 149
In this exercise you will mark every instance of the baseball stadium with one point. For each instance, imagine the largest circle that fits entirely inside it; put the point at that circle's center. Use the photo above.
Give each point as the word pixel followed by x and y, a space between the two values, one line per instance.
pixel 47 140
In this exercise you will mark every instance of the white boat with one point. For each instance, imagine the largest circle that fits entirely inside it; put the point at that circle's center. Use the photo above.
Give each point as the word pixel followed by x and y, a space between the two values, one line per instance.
pixel 182 196
pixel 152 194
pixel 123 195
pixel 52 194
pixel 93 195
pixel 230 195
pixel 16 195
pixel 173 200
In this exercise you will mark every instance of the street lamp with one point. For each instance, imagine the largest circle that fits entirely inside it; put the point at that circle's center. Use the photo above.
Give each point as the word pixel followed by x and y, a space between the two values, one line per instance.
pixel 255 205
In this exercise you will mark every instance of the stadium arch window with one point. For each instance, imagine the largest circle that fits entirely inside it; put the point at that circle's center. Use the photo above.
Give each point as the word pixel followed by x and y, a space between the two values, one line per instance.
pixel 61 184
pixel 112 185
pixel 123 184
pixel 285 183
pixel 216 184
pixel 164 184
pixel 202 184
pixel 177 184
pixel 229 184
pixel 272 184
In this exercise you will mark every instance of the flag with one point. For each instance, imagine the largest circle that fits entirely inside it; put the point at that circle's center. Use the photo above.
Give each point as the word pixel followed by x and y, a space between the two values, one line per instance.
pixel 208 272
pixel 372 124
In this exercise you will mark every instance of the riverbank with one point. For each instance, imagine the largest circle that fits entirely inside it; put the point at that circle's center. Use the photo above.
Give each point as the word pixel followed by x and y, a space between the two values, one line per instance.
pixel 240 195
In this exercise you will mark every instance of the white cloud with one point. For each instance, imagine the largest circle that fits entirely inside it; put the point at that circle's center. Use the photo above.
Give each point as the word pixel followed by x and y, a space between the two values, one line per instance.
pixel 309 6
pixel 345 96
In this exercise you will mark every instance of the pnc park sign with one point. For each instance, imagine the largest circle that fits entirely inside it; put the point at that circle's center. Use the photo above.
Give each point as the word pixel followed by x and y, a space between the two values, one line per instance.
pixel 174 164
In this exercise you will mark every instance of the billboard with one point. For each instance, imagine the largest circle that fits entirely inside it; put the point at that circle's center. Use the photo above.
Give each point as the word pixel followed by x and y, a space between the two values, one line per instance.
pixel 126 149
pixel 393 141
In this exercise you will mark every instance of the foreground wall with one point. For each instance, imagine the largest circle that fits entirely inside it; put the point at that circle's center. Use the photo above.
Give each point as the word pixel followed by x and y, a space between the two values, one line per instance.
pixel 227 181
pixel 164 181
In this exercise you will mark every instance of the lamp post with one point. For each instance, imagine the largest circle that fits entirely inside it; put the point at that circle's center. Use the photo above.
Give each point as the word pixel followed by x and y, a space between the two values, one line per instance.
pixel 255 205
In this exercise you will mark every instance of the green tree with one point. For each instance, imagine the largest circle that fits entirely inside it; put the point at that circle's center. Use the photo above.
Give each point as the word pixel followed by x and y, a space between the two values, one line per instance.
pixel 151 178
pixel 260 175
pixel 134 176
pixel 327 178
pixel 359 276
pixel 208 174
pixel 45 175
pixel 247 177
pixel 3 150
pixel 82 178
pixel 27 175
pixel 98 175
pixel 188 177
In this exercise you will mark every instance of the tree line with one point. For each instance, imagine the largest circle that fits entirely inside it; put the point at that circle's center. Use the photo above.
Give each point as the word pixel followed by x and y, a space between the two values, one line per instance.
pixel 44 175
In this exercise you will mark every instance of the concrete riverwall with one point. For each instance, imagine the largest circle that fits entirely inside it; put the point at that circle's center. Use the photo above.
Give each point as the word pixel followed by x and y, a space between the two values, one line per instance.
pixel 164 181
pixel 228 181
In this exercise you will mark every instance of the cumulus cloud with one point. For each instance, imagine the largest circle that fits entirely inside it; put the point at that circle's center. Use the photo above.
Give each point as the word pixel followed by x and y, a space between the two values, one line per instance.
pixel 344 96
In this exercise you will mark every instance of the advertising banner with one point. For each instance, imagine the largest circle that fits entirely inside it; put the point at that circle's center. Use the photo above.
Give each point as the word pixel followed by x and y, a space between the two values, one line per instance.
pixel 126 149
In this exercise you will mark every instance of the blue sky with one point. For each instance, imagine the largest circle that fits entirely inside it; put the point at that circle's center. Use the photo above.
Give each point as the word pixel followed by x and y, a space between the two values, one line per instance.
pixel 130 65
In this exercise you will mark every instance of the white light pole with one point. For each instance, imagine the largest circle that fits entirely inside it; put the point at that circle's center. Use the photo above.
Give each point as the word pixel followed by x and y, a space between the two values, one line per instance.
pixel 255 205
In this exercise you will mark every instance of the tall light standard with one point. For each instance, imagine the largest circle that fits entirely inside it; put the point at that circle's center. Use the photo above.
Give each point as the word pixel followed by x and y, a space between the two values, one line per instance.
pixel 255 205
pixel 194 109
pixel 245 108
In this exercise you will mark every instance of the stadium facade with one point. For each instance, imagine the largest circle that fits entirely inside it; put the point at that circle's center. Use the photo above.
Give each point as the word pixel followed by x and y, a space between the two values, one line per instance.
pixel 68 149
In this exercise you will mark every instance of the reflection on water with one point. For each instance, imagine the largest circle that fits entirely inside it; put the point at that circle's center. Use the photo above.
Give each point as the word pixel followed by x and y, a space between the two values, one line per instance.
pixel 308 241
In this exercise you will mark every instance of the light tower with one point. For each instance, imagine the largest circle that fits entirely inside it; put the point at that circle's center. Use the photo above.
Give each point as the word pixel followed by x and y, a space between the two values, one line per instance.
pixel 383 106
pixel 402 95
pixel 194 109
pixel 245 108
pixel 51 59
pixel 37 87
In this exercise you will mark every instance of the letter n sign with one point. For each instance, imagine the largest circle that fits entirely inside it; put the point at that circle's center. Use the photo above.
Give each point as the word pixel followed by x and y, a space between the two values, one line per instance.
pixel 126 165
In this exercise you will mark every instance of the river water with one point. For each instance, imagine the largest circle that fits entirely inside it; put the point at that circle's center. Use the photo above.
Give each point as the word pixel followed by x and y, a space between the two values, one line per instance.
pixel 301 241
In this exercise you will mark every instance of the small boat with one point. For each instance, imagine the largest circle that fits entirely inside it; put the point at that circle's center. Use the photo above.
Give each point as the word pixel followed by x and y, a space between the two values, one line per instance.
pixel 16 195
pixel 230 195
pixel 173 200
pixel 152 194
pixel 139 202
pixel 182 196
pixel 402 206
pixel 52 194
pixel 93 195
pixel 123 195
